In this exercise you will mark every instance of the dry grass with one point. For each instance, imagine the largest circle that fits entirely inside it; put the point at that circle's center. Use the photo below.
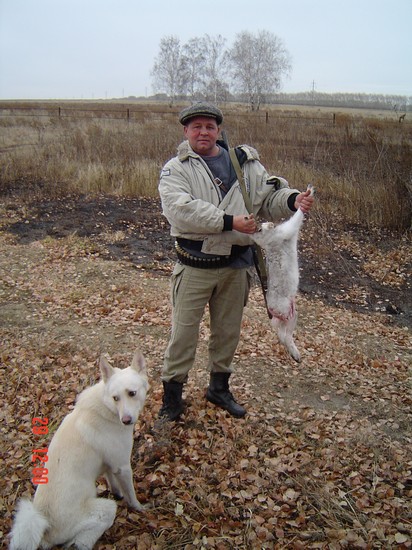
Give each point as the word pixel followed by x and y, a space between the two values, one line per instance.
pixel 360 166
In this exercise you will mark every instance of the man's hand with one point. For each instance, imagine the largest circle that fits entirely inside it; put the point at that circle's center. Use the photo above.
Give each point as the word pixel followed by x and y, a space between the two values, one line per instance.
pixel 304 201
pixel 245 224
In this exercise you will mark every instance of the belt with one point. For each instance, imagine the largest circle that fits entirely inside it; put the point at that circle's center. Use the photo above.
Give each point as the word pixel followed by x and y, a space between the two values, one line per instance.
pixel 203 263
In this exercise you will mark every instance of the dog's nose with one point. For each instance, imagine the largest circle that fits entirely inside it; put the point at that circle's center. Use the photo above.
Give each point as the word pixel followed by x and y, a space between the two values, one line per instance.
pixel 127 420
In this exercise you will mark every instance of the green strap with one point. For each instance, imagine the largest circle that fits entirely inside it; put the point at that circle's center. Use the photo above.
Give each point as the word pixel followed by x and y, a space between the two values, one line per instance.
pixel 259 260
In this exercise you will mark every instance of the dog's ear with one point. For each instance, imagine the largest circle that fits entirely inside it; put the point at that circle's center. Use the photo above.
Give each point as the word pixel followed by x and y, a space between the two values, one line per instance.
pixel 138 363
pixel 105 368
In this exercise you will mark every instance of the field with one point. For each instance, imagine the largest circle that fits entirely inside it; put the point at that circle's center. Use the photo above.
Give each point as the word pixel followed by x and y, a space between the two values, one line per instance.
pixel 323 458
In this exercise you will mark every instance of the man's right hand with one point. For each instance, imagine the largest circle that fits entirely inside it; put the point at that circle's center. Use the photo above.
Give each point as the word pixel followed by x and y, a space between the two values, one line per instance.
pixel 245 224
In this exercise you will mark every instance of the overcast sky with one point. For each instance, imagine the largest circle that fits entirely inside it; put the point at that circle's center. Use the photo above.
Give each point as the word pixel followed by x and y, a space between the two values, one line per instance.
pixel 74 49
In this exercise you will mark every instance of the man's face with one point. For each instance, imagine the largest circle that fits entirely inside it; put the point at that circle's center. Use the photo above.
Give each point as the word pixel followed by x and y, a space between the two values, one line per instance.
pixel 202 133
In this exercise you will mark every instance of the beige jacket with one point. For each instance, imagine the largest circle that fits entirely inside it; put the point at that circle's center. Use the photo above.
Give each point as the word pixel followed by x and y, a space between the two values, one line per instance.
pixel 194 206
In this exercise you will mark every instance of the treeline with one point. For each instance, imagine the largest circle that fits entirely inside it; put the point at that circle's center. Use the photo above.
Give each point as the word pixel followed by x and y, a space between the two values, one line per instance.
pixel 396 103
pixel 399 104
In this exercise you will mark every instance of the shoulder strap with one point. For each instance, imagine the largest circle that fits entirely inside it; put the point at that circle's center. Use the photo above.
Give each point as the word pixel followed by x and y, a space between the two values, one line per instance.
pixel 258 258
pixel 241 179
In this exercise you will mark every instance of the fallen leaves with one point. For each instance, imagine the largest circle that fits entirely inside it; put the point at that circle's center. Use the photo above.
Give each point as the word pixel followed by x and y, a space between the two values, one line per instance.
pixel 322 460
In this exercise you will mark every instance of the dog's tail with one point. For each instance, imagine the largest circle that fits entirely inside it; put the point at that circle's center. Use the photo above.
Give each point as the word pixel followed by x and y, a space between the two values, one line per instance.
pixel 28 528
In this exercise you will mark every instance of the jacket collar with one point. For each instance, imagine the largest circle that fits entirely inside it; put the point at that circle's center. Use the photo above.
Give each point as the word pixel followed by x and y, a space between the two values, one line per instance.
pixel 184 151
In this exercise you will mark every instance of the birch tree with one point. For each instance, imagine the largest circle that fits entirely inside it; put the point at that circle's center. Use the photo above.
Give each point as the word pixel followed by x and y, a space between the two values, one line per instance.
pixel 258 64
pixel 215 88
pixel 194 62
pixel 169 71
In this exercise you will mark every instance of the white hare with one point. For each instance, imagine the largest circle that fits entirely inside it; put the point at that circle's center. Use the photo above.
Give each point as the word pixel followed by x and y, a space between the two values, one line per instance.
pixel 280 245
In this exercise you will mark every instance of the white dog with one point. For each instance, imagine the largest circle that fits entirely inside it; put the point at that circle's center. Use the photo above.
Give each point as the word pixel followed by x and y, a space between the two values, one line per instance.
pixel 95 439
pixel 280 245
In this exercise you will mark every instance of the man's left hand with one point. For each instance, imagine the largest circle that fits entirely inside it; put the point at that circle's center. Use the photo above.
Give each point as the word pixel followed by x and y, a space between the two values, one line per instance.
pixel 304 201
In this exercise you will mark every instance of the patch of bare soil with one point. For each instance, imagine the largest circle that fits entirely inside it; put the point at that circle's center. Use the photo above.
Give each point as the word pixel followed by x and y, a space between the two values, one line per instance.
pixel 323 458
pixel 365 272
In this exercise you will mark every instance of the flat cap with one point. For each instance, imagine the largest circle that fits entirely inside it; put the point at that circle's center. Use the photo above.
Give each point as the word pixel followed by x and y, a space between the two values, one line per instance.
pixel 201 109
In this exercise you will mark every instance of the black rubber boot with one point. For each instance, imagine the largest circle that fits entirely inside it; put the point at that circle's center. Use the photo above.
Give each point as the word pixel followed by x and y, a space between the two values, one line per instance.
pixel 219 394
pixel 172 406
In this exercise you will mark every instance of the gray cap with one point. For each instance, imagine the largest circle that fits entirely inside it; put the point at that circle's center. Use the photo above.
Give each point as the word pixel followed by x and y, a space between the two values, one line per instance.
pixel 201 109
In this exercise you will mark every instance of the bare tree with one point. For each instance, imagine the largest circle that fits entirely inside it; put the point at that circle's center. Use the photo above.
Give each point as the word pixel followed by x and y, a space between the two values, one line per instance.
pixel 258 63
pixel 169 71
pixel 215 87
pixel 201 67
pixel 194 60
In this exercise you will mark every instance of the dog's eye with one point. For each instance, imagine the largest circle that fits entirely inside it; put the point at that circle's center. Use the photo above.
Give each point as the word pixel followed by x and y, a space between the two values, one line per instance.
pixel 132 393
pixel 115 398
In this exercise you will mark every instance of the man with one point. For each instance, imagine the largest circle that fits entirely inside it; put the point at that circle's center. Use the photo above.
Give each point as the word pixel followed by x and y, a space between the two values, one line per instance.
pixel 202 201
